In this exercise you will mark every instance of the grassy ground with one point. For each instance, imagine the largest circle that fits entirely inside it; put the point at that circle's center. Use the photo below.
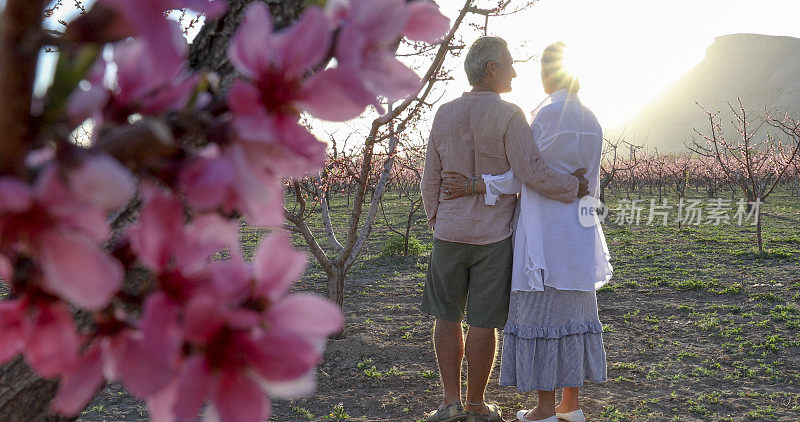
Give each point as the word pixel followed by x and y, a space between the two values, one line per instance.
pixel 697 327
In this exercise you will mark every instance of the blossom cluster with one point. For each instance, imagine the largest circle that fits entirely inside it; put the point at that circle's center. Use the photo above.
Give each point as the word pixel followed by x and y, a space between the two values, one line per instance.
pixel 194 328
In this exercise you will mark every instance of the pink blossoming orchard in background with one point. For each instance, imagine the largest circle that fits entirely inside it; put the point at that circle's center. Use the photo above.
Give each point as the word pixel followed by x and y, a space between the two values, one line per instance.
pixel 198 329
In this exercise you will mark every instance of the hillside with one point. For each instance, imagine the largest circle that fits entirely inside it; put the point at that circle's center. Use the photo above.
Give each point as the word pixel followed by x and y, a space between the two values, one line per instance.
pixel 763 70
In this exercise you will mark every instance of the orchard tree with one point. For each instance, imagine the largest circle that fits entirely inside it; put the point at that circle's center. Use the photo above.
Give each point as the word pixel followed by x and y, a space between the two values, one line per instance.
pixel 150 304
pixel 710 171
pixel 793 177
pixel 678 171
pixel 615 162
pixel 405 181
pixel 756 163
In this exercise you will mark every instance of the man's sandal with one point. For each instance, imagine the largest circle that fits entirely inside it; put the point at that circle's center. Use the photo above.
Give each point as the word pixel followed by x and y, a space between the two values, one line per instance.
pixel 452 413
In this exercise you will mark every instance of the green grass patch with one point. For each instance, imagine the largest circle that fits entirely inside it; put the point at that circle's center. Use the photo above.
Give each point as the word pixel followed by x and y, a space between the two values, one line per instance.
pixel 689 284
pixel 396 246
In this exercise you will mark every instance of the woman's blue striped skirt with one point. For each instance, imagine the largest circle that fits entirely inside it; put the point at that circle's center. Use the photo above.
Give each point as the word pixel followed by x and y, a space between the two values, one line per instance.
pixel 552 339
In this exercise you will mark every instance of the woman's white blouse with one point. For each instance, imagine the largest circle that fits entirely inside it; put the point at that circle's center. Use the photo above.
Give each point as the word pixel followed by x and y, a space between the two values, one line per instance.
pixel 551 246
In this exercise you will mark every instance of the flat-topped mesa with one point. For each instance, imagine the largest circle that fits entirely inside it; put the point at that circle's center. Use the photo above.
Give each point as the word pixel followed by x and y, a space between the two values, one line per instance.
pixel 750 45
pixel 762 70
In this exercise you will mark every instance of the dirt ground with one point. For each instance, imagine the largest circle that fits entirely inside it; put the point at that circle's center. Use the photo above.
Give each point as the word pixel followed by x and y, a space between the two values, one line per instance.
pixel 697 327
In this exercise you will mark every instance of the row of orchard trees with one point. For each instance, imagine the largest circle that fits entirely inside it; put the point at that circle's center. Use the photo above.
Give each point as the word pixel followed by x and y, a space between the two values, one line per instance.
pixel 743 159
pixel 712 165
pixel 752 164
pixel 658 174
pixel 639 172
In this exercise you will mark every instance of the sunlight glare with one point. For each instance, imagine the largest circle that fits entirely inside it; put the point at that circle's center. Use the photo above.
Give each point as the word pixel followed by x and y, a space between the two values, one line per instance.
pixel 575 60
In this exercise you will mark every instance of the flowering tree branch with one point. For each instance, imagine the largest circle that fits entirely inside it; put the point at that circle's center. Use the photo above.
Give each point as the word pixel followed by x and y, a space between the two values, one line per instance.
pixel 356 238
pixel 155 311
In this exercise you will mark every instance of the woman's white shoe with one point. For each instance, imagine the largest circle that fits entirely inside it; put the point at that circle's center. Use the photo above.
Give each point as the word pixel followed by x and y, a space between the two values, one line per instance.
pixel 521 417
pixel 574 416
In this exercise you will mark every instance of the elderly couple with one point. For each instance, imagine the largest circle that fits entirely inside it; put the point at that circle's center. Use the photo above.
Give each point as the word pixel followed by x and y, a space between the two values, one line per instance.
pixel 525 263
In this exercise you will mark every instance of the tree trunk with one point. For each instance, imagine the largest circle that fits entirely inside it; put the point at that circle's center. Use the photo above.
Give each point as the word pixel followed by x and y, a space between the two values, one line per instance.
pixel 336 286
pixel 209 50
pixel 758 231
pixel 23 395
pixel 408 230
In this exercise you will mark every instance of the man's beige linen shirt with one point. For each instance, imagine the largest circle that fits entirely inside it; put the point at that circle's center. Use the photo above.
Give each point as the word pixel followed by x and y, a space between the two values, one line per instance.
pixel 477 134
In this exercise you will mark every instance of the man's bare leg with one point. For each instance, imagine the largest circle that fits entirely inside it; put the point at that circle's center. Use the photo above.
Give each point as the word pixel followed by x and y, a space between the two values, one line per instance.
pixel 448 342
pixel 569 400
pixel 480 351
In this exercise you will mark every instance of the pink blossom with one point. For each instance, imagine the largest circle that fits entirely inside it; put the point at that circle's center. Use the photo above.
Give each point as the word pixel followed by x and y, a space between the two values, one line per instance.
pixel 294 314
pixel 204 318
pixel 276 266
pixel 63 207
pixel 144 358
pixel 142 79
pixel 202 238
pixel 208 183
pixel 162 242
pixel 145 83
pixel 194 384
pixel 80 383
pixel 149 358
pixel 146 19
pixel 43 332
pixel 160 224
pixel 51 344
pixel 246 337
pixel 48 223
pixel 228 374
pixel 425 22
pixel 15 196
pixel 78 271
pixel 224 333
pixel 46 335
pixel 240 179
pixel 102 182
pixel 86 103
pixel 266 109
pixel 365 44
pixel 237 398
pixel 234 396
pixel 13 326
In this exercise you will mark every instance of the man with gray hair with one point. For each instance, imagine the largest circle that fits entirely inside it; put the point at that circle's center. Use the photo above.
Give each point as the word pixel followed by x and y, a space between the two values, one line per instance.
pixel 471 261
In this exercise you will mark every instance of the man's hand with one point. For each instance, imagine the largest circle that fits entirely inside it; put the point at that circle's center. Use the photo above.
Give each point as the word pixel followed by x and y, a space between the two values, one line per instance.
pixel 583 184
pixel 453 185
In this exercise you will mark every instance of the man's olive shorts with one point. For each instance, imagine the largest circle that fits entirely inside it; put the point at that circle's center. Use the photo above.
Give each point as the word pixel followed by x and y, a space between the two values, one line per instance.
pixel 478 276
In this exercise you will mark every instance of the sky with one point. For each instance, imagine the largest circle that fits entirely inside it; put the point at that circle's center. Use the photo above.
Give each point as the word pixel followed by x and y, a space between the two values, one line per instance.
pixel 626 51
